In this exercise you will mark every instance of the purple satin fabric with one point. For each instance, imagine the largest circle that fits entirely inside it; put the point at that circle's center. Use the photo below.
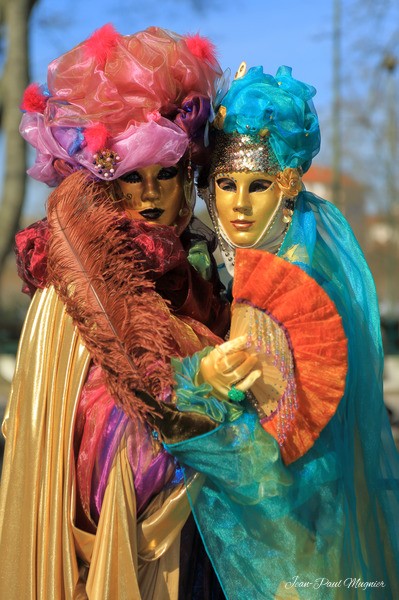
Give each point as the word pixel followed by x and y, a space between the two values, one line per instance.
pixel 100 427
pixel 152 469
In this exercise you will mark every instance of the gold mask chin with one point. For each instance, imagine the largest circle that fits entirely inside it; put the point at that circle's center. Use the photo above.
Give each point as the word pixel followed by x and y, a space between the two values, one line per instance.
pixel 248 206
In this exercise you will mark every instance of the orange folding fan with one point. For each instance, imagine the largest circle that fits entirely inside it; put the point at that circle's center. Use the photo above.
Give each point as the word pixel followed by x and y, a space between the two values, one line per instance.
pixel 296 332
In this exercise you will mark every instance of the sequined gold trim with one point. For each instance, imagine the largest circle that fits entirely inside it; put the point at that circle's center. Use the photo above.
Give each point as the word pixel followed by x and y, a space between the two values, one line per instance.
pixel 234 152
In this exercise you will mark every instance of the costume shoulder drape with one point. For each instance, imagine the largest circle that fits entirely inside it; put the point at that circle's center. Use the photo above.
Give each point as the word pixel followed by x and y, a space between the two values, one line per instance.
pixel 44 555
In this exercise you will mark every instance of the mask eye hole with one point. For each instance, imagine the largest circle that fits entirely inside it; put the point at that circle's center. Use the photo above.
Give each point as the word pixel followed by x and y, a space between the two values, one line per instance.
pixel 259 185
pixel 167 173
pixel 226 184
pixel 132 177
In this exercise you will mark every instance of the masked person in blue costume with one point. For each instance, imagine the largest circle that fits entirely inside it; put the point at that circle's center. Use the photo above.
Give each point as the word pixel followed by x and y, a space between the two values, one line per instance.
pixel 300 475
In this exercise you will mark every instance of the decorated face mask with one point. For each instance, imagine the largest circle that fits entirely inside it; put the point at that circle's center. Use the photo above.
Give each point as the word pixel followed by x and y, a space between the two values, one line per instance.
pixel 153 193
pixel 264 136
pixel 247 205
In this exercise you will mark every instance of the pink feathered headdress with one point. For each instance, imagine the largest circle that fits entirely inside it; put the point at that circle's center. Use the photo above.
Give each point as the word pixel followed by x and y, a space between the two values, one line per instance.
pixel 117 103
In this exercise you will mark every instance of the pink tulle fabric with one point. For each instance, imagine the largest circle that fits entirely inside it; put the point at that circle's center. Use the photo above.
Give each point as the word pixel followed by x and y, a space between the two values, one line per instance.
pixel 152 70
pixel 146 82
pixel 34 131
pixel 154 142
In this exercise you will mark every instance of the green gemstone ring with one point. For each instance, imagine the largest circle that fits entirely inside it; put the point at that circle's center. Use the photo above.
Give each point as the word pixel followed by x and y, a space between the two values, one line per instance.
pixel 236 395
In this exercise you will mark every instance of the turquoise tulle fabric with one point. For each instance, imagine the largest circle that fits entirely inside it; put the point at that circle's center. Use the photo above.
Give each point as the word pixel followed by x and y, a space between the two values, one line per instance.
pixel 326 526
pixel 282 105
pixel 198 398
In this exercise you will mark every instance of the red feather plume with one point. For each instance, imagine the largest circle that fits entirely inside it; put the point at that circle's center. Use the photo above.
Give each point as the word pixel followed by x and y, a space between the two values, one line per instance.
pixel 33 99
pixel 201 47
pixel 101 43
pixel 96 137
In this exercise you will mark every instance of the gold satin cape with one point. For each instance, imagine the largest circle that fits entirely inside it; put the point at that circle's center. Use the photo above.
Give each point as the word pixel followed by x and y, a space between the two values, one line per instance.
pixel 44 556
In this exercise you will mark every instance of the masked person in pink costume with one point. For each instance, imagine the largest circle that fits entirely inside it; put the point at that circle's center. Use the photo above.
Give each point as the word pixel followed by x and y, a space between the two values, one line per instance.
pixel 91 505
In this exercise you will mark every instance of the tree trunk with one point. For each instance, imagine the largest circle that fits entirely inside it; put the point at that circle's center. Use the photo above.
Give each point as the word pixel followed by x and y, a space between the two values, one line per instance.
pixel 15 16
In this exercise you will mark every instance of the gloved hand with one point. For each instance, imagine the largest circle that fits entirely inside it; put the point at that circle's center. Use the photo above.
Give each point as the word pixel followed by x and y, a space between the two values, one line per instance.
pixel 230 365
pixel 226 365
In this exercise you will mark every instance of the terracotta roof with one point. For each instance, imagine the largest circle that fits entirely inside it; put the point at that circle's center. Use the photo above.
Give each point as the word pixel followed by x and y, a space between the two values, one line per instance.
pixel 321 174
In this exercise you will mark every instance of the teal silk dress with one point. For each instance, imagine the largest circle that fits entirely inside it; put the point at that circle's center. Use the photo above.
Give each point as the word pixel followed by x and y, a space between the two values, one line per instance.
pixel 326 525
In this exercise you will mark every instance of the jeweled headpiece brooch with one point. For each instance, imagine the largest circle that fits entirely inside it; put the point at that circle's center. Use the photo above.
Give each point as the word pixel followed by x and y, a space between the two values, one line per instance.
pixel 117 103
pixel 265 123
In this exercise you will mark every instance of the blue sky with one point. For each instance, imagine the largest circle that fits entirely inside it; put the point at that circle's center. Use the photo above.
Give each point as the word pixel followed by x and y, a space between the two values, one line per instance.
pixel 257 31
pixel 261 32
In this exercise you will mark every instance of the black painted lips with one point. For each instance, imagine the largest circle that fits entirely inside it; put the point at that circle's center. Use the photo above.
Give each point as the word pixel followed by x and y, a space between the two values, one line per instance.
pixel 152 214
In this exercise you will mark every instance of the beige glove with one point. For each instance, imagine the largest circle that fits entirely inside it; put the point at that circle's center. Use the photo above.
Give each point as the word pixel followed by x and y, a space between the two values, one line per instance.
pixel 227 365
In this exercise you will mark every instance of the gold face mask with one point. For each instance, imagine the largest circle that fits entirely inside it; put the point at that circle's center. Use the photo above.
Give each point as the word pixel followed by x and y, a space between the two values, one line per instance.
pixel 247 204
pixel 153 193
